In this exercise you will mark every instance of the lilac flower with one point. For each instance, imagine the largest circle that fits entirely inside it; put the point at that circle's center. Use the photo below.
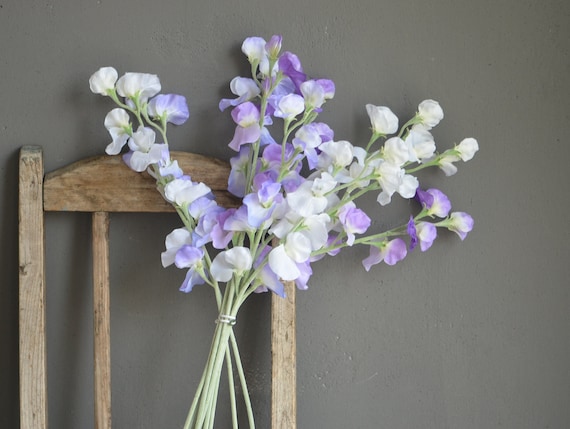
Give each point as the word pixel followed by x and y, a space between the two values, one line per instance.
pixel 269 280
pixel 169 107
pixel 238 173
pixel 188 256
pixel 192 279
pixel 260 204
pixel 435 201
pixel 461 223
pixel 239 221
pixel 412 232
pixel 305 273
pixel 353 220
pixel 221 236
pixel 273 47
pixel 426 233
pixel 290 66
pixel 207 222
pixel 246 116
pixel 390 252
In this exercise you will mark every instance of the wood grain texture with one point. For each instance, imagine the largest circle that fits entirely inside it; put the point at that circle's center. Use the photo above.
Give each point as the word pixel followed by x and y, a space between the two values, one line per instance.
pixel 284 360
pixel 32 293
pixel 101 321
pixel 101 185
pixel 106 184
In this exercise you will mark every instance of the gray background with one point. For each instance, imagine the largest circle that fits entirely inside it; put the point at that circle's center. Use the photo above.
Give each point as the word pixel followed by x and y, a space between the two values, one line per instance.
pixel 467 335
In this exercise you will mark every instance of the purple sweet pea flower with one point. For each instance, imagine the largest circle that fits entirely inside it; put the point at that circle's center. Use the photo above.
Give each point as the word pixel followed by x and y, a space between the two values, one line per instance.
pixel 269 280
pixel 461 223
pixel 353 220
pixel 172 107
pixel 221 236
pixel 238 172
pixel 306 273
pixel 246 116
pixel 435 201
pixel 192 279
pixel 188 256
pixel 290 66
pixel 388 251
pixel 426 233
pixel 412 232
pixel 273 47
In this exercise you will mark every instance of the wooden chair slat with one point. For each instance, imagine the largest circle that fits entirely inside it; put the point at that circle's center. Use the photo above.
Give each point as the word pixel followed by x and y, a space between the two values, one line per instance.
pixel 105 183
pixel 101 321
pixel 32 292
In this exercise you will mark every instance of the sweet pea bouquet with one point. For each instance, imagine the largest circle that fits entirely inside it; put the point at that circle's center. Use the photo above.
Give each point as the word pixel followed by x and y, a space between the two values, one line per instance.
pixel 298 185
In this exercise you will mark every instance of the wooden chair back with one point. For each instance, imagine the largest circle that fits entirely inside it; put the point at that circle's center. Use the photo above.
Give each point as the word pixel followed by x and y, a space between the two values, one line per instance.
pixel 102 185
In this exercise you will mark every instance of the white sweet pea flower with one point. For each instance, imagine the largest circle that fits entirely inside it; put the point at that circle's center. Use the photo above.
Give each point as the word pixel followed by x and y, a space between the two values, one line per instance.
pixel 144 150
pixel 118 124
pixel 141 85
pixel 396 151
pixel 254 48
pixel 394 179
pixel 383 120
pixel 315 228
pixel 235 260
pixel 282 264
pixel 103 81
pixel 421 145
pixel 311 197
pixel 467 149
pixel 446 163
pixel 430 113
pixel 245 88
pixel 336 154
pixel 290 106
pixel 184 192
pixel 142 140
pixel 313 93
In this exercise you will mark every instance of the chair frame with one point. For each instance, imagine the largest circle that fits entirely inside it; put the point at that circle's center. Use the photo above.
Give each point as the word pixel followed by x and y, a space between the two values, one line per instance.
pixel 97 185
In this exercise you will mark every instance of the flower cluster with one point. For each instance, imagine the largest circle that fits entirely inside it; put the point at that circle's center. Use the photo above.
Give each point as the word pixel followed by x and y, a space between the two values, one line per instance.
pixel 299 185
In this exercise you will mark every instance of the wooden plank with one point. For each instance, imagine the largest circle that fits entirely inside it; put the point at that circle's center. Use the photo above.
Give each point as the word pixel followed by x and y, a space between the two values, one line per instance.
pixel 101 321
pixel 32 293
pixel 284 360
pixel 105 183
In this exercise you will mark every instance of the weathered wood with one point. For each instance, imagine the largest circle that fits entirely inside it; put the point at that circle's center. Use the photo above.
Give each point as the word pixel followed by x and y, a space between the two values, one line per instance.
pixel 101 321
pixel 284 360
pixel 101 185
pixel 32 293
pixel 105 183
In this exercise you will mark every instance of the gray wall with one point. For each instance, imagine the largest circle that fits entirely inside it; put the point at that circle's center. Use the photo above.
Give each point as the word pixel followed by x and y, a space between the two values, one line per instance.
pixel 468 335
